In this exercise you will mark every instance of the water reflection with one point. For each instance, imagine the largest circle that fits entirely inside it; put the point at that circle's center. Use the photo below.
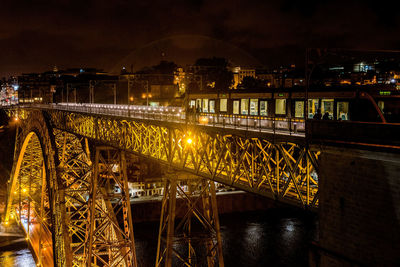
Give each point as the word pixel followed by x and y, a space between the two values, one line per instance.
pixel 277 237
pixel 20 258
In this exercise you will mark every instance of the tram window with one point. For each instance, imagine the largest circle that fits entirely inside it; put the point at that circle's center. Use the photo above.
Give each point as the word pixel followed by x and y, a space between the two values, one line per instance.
pixel 198 104
pixel 212 106
pixel 342 111
pixel 263 108
pixel 244 106
pixel 236 107
pixel 312 107
pixel 391 109
pixel 299 109
pixel 223 105
pixel 192 103
pixel 280 106
pixel 205 105
pixel 327 106
pixel 381 105
pixel 253 106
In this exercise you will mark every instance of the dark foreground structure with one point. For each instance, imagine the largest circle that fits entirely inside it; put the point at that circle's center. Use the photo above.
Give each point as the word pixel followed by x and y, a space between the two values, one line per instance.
pixel 359 212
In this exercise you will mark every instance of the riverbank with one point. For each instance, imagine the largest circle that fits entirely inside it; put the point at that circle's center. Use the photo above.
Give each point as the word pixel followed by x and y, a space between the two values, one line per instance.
pixel 149 210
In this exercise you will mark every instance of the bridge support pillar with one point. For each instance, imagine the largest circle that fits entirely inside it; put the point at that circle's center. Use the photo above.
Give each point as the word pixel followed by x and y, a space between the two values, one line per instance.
pixel 359 212
pixel 195 237
pixel 109 205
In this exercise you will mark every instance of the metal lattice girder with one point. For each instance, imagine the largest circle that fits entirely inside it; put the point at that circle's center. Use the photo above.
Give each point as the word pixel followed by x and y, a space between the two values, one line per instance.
pixel 107 243
pixel 282 170
pixel 74 184
pixel 180 242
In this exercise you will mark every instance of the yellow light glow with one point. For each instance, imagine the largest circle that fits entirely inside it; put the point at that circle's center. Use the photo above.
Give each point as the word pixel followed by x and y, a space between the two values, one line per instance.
pixel 12 216
pixel 16 118
pixel 6 223
pixel 131 98
pixel 24 190
pixel 189 141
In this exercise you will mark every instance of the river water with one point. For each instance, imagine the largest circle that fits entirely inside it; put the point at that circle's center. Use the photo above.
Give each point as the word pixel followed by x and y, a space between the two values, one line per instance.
pixel 276 237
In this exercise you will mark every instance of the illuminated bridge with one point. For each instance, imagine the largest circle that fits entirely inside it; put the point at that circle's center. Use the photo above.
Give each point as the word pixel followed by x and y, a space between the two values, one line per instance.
pixel 68 158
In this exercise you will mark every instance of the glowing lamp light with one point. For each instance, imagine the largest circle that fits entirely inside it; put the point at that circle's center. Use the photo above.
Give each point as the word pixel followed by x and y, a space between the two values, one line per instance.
pixel 16 119
pixel 6 223
pixel 189 141
pixel 24 190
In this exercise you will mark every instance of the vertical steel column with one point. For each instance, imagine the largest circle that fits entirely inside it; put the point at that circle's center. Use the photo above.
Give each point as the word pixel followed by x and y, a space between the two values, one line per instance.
pixel 107 243
pixel 92 208
pixel 171 222
pixel 308 178
pixel 277 177
pixel 127 213
pixel 216 221
pixel 41 220
pixel 197 203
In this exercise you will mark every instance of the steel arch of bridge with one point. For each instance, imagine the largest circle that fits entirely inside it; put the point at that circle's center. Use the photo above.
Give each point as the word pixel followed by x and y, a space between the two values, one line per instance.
pixel 52 194
pixel 283 170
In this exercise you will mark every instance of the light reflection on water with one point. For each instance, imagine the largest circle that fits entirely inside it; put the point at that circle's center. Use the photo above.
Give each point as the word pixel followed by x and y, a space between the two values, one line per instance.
pixel 20 258
pixel 269 238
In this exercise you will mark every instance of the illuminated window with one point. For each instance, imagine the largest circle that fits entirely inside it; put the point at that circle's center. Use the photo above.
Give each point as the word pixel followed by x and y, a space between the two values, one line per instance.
pixel 205 105
pixel 253 106
pixel 236 107
pixel 312 107
pixel 192 103
pixel 212 106
pixel 198 104
pixel 223 105
pixel 264 108
pixel 244 106
pixel 381 105
pixel 280 106
pixel 299 109
pixel 342 111
pixel 327 106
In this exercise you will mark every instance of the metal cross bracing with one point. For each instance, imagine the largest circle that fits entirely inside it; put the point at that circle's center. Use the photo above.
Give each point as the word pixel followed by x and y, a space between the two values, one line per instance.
pixel 195 239
pixel 51 194
pixel 284 170
pixel 108 244
pixel 75 173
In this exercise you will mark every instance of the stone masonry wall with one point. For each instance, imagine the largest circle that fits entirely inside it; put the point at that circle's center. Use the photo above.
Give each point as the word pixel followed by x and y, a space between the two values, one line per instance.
pixel 359 207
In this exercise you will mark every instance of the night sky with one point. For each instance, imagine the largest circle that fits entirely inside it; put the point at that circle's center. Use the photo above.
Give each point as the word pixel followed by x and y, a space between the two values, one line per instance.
pixel 36 35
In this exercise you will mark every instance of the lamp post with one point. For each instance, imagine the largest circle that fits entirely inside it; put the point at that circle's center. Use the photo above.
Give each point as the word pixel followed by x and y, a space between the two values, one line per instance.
pixel 147 92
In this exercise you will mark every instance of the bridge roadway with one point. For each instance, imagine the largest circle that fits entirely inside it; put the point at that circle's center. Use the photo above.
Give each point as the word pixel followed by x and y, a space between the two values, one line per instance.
pixel 284 127
pixel 266 156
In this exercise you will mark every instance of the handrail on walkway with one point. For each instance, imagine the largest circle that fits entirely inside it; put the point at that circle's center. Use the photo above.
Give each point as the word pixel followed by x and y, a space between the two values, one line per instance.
pixel 275 125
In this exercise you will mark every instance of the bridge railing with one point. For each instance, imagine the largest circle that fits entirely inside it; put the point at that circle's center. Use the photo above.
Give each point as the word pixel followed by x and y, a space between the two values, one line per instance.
pixel 286 126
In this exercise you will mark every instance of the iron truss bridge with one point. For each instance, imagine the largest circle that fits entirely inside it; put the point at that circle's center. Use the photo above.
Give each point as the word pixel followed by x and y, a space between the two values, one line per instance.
pixel 60 186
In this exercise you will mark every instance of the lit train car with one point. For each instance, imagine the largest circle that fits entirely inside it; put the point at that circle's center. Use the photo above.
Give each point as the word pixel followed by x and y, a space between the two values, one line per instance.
pixel 285 109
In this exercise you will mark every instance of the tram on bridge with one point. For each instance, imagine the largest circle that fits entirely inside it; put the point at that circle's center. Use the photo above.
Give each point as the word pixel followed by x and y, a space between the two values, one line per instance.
pixel 344 103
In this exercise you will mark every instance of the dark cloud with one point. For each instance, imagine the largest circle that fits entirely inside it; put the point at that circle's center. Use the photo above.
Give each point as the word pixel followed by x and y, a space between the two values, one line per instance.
pixel 34 35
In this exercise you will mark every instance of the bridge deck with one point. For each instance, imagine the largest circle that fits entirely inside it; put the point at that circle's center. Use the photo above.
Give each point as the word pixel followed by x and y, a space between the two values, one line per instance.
pixel 276 129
